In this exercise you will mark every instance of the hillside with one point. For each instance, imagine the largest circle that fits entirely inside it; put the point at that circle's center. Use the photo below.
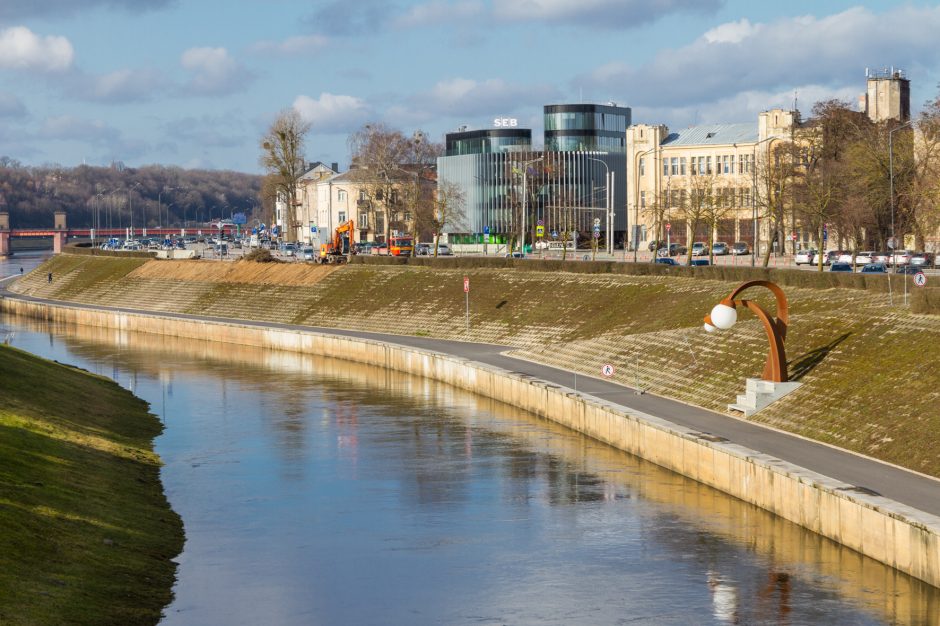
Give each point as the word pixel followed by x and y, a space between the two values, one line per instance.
pixel 868 386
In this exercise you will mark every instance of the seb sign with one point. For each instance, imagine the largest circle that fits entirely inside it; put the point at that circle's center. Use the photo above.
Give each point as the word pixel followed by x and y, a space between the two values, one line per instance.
pixel 505 122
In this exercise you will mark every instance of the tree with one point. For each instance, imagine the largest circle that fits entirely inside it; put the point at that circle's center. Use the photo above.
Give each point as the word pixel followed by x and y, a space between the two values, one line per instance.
pixel 704 202
pixel 773 176
pixel 449 206
pixel 282 156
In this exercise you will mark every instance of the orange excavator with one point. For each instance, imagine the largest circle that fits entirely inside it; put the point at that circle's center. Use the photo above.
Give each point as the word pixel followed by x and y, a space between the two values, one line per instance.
pixel 336 251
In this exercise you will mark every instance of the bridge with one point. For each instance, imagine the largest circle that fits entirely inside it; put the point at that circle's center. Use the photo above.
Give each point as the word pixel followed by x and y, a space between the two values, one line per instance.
pixel 60 232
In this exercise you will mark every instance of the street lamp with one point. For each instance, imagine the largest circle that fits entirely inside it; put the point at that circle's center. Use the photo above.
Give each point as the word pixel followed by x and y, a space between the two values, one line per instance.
pixel 609 183
pixel 636 199
pixel 894 242
pixel 525 203
pixel 724 315
pixel 160 205
pixel 756 241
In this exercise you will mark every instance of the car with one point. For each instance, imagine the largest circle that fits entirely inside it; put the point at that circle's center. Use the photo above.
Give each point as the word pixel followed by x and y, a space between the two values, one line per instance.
pixel 740 247
pixel 288 249
pixel 666 261
pixel 698 262
pixel 656 245
pixel 861 258
pixel 921 259
pixel 720 248
pixel 699 248
pixel 908 269
pixel 881 257
pixel 832 257
pixel 840 267
pixel 423 249
pixel 874 268
pixel 443 250
pixel 308 254
pixel 515 255
pixel 900 257
pixel 805 257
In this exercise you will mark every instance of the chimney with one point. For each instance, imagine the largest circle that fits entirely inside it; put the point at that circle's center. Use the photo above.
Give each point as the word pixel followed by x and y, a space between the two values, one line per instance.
pixel 335 167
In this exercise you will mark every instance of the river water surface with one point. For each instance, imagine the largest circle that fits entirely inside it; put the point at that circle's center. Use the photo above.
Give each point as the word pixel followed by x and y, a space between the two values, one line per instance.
pixel 317 491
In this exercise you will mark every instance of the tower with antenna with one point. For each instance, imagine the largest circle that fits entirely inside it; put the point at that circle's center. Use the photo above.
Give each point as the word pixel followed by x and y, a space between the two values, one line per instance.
pixel 888 95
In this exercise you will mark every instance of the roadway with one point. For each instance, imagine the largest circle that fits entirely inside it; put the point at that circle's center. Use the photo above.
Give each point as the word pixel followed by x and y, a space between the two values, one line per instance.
pixel 866 474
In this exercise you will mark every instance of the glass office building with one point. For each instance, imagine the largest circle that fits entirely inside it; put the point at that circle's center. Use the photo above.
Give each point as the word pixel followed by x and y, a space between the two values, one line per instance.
pixel 564 186
pixel 488 141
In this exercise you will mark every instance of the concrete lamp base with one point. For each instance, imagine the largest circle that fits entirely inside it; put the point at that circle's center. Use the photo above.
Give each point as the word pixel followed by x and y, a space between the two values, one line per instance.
pixel 759 394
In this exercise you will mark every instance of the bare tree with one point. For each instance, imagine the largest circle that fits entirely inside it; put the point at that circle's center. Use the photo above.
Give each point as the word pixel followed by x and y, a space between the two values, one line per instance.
pixel 449 207
pixel 701 206
pixel 282 156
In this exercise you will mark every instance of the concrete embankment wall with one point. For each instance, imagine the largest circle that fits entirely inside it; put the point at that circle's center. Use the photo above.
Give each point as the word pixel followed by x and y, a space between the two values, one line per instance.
pixel 899 536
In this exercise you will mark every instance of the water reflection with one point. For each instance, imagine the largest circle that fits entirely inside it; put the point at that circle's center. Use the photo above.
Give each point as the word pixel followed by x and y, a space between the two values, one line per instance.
pixel 316 490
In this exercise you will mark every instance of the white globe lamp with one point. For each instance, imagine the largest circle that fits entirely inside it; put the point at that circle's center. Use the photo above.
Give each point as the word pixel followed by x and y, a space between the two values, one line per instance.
pixel 709 328
pixel 724 316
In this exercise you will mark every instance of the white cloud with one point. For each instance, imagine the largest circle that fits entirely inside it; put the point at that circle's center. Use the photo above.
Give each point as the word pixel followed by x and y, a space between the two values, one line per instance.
pixel 468 97
pixel 332 113
pixel 603 13
pixel 731 32
pixel 214 72
pixel 737 57
pixel 22 49
pixel 306 44
pixel 440 11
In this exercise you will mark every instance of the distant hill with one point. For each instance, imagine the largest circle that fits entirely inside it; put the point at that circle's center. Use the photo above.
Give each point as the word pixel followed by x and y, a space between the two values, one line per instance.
pixel 105 196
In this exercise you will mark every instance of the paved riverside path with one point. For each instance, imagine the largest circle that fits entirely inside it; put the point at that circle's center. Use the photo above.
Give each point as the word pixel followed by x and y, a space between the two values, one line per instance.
pixel 904 486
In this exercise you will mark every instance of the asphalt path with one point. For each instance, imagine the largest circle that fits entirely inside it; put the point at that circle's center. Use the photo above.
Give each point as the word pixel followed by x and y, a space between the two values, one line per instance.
pixel 867 475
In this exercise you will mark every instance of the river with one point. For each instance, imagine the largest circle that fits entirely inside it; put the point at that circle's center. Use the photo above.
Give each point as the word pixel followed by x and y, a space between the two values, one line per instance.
pixel 317 491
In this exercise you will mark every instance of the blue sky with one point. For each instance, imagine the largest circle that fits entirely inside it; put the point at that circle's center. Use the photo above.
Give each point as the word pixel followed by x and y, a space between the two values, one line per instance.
pixel 195 82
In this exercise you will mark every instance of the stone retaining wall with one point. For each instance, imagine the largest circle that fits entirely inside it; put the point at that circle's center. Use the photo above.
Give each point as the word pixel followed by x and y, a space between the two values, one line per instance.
pixel 889 532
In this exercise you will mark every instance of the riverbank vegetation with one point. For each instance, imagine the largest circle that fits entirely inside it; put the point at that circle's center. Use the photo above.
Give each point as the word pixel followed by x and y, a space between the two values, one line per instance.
pixel 88 533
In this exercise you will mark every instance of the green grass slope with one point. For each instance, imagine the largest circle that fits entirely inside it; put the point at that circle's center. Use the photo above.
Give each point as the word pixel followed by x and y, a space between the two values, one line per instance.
pixel 87 531
pixel 869 380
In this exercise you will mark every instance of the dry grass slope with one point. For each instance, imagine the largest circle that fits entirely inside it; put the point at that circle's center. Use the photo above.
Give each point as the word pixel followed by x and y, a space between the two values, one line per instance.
pixel 869 384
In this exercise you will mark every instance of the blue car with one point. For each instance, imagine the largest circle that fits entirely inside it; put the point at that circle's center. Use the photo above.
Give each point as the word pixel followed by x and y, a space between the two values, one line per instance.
pixel 667 261
pixel 874 268
pixel 698 262
pixel 840 267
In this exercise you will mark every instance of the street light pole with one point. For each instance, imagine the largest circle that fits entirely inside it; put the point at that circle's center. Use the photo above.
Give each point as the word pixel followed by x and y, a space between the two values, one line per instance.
pixel 525 204
pixel 608 184
pixel 636 201
pixel 891 179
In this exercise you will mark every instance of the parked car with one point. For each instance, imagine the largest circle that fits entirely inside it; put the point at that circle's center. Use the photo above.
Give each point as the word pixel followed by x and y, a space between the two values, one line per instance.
pixel 881 257
pixel 840 267
pixel 901 257
pixel 699 248
pixel 861 258
pixel 740 247
pixel 423 249
pixel 874 268
pixel 908 269
pixel 720 248
pixel 442 250
pixel 308 254
pixel 805 257
pixel 656 245
pixel 288 249
pixel 921 259
pixel 667 261
pixel 698 262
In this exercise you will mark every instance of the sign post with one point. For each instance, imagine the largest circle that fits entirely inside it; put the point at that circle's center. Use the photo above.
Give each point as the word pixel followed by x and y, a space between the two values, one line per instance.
pixel 607 370
pixel 466 293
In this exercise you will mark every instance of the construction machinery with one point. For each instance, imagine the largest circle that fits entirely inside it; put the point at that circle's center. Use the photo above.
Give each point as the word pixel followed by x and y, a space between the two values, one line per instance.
pixel 336 251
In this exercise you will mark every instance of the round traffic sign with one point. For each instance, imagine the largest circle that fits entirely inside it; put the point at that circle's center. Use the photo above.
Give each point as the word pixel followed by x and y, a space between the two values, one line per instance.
pixel 540 223
pixel 597 221
pixel 668 226
pixel 920 279
pixel 607 370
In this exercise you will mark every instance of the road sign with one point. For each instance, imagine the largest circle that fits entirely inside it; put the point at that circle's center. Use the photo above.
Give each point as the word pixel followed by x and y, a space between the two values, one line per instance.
pixel 793 236
pixel 554 234
pixel 920 279
pixel 892 243
pixel 486 230
pixel 540 223
pixel 597 221
pixel 597 234
pixel 486 238
pixel 668 227
pixel 313 230
pixel 466 284
pixel 607 370
pixel 540 230
pixel 239 219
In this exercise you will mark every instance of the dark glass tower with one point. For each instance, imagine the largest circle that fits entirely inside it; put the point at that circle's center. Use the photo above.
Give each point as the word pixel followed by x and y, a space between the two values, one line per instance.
pixel 586 127
pixel 488 141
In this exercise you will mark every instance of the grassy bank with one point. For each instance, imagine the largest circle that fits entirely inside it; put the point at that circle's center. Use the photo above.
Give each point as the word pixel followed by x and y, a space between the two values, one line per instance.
pixel 869 379
pixel 87 531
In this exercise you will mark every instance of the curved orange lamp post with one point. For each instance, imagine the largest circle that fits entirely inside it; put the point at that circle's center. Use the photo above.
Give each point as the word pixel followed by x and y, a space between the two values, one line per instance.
pixel 725 314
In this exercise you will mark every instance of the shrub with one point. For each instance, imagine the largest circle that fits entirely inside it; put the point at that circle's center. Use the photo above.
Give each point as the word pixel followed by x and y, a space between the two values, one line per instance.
pixel 260 255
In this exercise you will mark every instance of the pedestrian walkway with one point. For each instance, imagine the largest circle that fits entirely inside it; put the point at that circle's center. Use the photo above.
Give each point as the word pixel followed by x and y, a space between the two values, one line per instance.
pixel 867 475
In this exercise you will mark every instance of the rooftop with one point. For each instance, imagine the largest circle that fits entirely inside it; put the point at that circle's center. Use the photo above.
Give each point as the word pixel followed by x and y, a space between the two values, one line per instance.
pixel 713 134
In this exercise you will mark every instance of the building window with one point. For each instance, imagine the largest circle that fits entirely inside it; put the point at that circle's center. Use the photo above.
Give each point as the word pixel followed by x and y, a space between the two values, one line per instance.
pixel 745 197
pixel 693 163
pixel 363 196
pixel 708 165
pixel 342 216
pixel 675 166
pixel 665 166
pixel 642 166
pixel 364 221
pixel 744 164
pixel 642 199
pixel 341 195
pixel 682 168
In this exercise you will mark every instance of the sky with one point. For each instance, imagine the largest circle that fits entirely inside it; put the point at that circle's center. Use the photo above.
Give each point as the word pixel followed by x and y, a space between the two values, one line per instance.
pixel 195 83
